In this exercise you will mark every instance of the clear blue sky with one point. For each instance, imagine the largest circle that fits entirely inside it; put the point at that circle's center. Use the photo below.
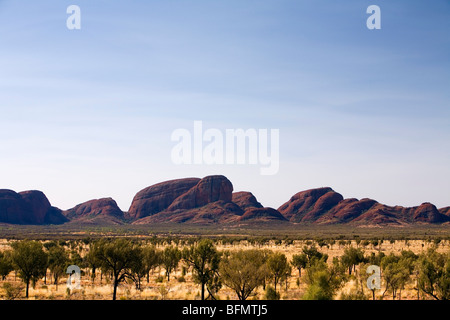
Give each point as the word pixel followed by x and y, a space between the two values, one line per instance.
pixel 88 113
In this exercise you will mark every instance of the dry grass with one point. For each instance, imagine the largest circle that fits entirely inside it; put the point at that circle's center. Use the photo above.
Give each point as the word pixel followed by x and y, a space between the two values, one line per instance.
pixel 188 290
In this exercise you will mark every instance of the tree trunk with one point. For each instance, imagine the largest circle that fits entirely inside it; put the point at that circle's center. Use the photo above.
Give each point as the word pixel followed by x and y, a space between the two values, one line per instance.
pixel 26 291
pixel 115 288
pixel 203 291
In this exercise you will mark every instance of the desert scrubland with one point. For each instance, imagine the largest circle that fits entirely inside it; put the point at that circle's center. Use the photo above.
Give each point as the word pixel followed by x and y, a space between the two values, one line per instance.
pixel 329 269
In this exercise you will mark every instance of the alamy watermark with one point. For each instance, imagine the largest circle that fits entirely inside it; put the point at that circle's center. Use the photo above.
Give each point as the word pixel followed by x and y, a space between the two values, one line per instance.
pixel 230 147
pixel 74 279
pixel 73 22
pixel 374 280
pixel 374 21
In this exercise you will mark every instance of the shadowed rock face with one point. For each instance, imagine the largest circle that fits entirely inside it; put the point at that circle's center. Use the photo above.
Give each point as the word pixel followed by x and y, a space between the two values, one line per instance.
pixel 445 211
pixel 245 200
pixel 309 205
pixel 324 206
pixel 195 200
pixel 214 212
pixel 211 200
pixel 104 208
pixel 207 190
pixel 262 214
pixel 427 212
pixel 38 203
pixel 28 207
pixel 159 197
pixel 14 209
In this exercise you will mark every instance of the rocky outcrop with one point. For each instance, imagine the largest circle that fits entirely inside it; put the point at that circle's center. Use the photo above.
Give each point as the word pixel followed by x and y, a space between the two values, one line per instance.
pixel 445 211
pixel 207 190
pixel 428 213
pixel 159 197
pixel 324 206
pixel 195 200
pixel 211 200
pixel 28 207
pixel 262 214
pixel 97 211
pixel 214 212
pixel 309 205
pixel 245 200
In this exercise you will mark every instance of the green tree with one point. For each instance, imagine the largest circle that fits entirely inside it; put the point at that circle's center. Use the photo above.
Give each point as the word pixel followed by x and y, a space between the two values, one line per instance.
pixel 312 253
pixel 170 258
pixel 57 262
pixel 323 281
pixel 434 274
pixel 204 260
pixel 299 261
pixel 278 267
pixel 395 274
pixel 307 257
pixel 30 260
pixel 351 258
pixel 152 258
pixel 118 257
pixel 243 271
pixel 91 259
pixel 139 269
pixel 375 258
pixel 6 265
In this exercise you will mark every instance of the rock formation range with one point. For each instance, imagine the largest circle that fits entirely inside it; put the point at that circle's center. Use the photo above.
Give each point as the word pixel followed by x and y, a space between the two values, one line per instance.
pixel 211 200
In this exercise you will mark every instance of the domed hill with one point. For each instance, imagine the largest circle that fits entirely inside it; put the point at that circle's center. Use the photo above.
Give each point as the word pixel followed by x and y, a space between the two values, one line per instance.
pixel 208 200
pixel 212 213
pixel 194 200
pixel 445 211
pixel 309 205
pixel 207 190
pixel 324 206
pixel 99 211
pixel 211 200
pixel 158 197
pixel 245 200
pixel 28 207
pixel 262 214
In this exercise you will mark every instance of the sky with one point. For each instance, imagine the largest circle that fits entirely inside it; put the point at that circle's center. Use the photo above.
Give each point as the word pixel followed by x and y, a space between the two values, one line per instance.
pixel 88 113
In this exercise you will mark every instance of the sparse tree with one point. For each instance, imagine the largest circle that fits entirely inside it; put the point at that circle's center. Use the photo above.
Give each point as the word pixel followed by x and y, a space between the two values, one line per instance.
pixel 139 269
pixel 6 265
pixel 170 258
pixel 278 267
pixel 395 276
pixel 152 258
pixel 323 281
pixel 204 260
pixel 434 274
pixel 299 261
pixel 92 260
pixel 243 271
pixel 30 260
pixel 118 257
pixel 57 262
pixel 351 258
